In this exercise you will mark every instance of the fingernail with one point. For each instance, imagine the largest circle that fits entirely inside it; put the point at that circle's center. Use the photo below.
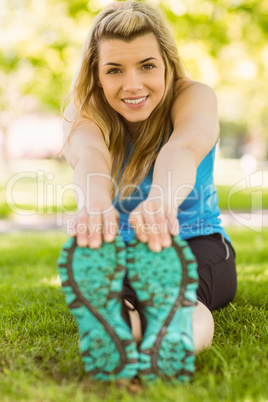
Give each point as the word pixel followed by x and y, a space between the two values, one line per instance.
pixel 157 248
pixel 109 238
pixel 143 238
pixel 95 244
pixel 167 243
pixel 82 243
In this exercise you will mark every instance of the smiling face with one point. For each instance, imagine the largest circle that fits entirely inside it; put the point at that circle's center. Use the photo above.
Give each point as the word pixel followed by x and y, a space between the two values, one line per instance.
pixel 132 75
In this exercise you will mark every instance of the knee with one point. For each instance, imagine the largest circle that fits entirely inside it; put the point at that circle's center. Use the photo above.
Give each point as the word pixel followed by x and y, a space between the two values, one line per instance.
pixel 203 328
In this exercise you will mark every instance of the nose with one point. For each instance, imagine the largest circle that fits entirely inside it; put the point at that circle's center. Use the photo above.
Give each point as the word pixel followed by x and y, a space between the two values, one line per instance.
pixel 132 82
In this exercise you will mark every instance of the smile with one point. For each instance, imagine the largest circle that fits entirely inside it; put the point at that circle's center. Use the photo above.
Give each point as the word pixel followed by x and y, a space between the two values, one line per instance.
pixel 135 101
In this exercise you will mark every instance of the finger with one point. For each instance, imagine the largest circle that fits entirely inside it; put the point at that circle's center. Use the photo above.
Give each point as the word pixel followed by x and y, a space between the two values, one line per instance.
pixel 95 230
pixel 71 227
pixel 110 225
pixel 137 222
pixel 165 237
pixel 174 226
pixel 82 232
pixel 154 234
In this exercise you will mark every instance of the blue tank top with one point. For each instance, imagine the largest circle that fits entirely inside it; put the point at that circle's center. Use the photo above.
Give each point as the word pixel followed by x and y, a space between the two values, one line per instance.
pixel 198 214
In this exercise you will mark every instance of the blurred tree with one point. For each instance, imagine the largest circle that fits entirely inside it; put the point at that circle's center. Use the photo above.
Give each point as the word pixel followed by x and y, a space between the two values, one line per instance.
pixel 222 42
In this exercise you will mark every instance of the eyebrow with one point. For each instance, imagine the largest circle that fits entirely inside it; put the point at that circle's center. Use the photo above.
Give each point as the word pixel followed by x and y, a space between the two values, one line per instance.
pixel 140 62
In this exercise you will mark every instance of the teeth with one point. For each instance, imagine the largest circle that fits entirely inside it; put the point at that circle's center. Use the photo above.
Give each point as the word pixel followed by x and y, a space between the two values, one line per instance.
pixel 135 101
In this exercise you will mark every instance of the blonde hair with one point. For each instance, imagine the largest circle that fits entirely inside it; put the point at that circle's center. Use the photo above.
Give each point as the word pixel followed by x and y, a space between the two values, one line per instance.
pixel 127 20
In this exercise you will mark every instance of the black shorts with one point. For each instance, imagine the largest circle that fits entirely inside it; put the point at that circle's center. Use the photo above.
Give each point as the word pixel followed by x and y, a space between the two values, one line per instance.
pixel 216 269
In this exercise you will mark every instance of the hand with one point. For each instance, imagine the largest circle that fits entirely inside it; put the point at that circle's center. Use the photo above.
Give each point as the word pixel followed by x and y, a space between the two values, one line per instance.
pixel 154 224
pixel 99 222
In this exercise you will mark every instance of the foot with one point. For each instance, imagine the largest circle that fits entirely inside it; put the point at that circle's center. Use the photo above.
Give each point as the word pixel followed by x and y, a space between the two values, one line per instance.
pixel 92 281
pixel 165 284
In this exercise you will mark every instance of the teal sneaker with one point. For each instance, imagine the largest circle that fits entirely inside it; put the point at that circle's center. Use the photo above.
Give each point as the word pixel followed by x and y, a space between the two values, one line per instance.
pixel 92 281
pixel 165 284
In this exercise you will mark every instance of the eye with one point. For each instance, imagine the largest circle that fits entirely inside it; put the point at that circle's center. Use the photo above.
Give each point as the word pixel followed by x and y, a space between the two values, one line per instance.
pixel 113 71
pixel 148 66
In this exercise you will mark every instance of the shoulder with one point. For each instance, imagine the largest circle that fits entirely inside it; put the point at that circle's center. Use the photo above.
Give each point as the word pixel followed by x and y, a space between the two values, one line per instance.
pixel 73 122
pixel 187 85
pixel 194 117
pixel 193 99
pixel 191 95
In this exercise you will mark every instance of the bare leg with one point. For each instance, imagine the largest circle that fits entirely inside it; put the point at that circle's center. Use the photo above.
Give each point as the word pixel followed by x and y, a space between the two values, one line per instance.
pixel 203 326
pixel 135 322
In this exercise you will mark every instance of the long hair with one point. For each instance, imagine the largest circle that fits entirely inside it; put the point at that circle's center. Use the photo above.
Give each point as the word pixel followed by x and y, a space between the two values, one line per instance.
pixel 126 21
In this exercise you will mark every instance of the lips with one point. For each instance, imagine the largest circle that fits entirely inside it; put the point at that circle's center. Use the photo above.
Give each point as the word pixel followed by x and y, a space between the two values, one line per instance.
pixel 135 101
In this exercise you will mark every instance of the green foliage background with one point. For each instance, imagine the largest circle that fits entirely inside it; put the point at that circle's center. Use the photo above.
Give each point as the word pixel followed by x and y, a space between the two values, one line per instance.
pixel 223 43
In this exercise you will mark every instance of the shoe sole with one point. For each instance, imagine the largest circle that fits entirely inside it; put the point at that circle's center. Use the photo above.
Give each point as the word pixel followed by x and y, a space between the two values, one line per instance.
pixel 165 284
pixel 92 281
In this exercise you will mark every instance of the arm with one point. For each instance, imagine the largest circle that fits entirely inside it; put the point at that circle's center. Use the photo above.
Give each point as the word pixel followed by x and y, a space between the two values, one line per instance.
pixel 196 129
pixel 89 156
pixel 195 132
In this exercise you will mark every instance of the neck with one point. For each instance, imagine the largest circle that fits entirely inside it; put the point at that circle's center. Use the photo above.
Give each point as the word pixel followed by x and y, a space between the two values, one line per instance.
pixel 133 128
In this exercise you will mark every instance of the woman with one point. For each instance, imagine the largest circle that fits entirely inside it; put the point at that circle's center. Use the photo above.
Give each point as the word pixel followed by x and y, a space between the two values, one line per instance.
pixel 141 138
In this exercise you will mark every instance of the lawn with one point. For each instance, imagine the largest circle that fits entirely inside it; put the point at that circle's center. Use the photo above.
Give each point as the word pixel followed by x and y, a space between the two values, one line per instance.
pixel 39 357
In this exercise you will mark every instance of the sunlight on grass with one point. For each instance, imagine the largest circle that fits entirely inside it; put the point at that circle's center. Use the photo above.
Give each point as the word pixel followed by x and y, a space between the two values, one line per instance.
pixel 54 281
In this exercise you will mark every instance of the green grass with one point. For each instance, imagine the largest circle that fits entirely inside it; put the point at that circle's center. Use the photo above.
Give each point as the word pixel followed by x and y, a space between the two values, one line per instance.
pixel 241 200
pixel 39 356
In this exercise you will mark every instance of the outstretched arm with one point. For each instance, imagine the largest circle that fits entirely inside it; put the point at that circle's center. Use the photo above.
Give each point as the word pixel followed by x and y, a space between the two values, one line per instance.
pixel 90 158
pixel 195 131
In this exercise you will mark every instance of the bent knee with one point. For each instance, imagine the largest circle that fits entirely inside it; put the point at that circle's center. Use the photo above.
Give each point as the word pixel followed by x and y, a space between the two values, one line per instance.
pixel 203 328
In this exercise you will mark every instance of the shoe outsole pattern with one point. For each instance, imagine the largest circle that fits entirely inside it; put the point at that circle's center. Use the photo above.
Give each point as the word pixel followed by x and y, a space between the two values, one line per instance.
pixel 92 281
pixel 165 284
